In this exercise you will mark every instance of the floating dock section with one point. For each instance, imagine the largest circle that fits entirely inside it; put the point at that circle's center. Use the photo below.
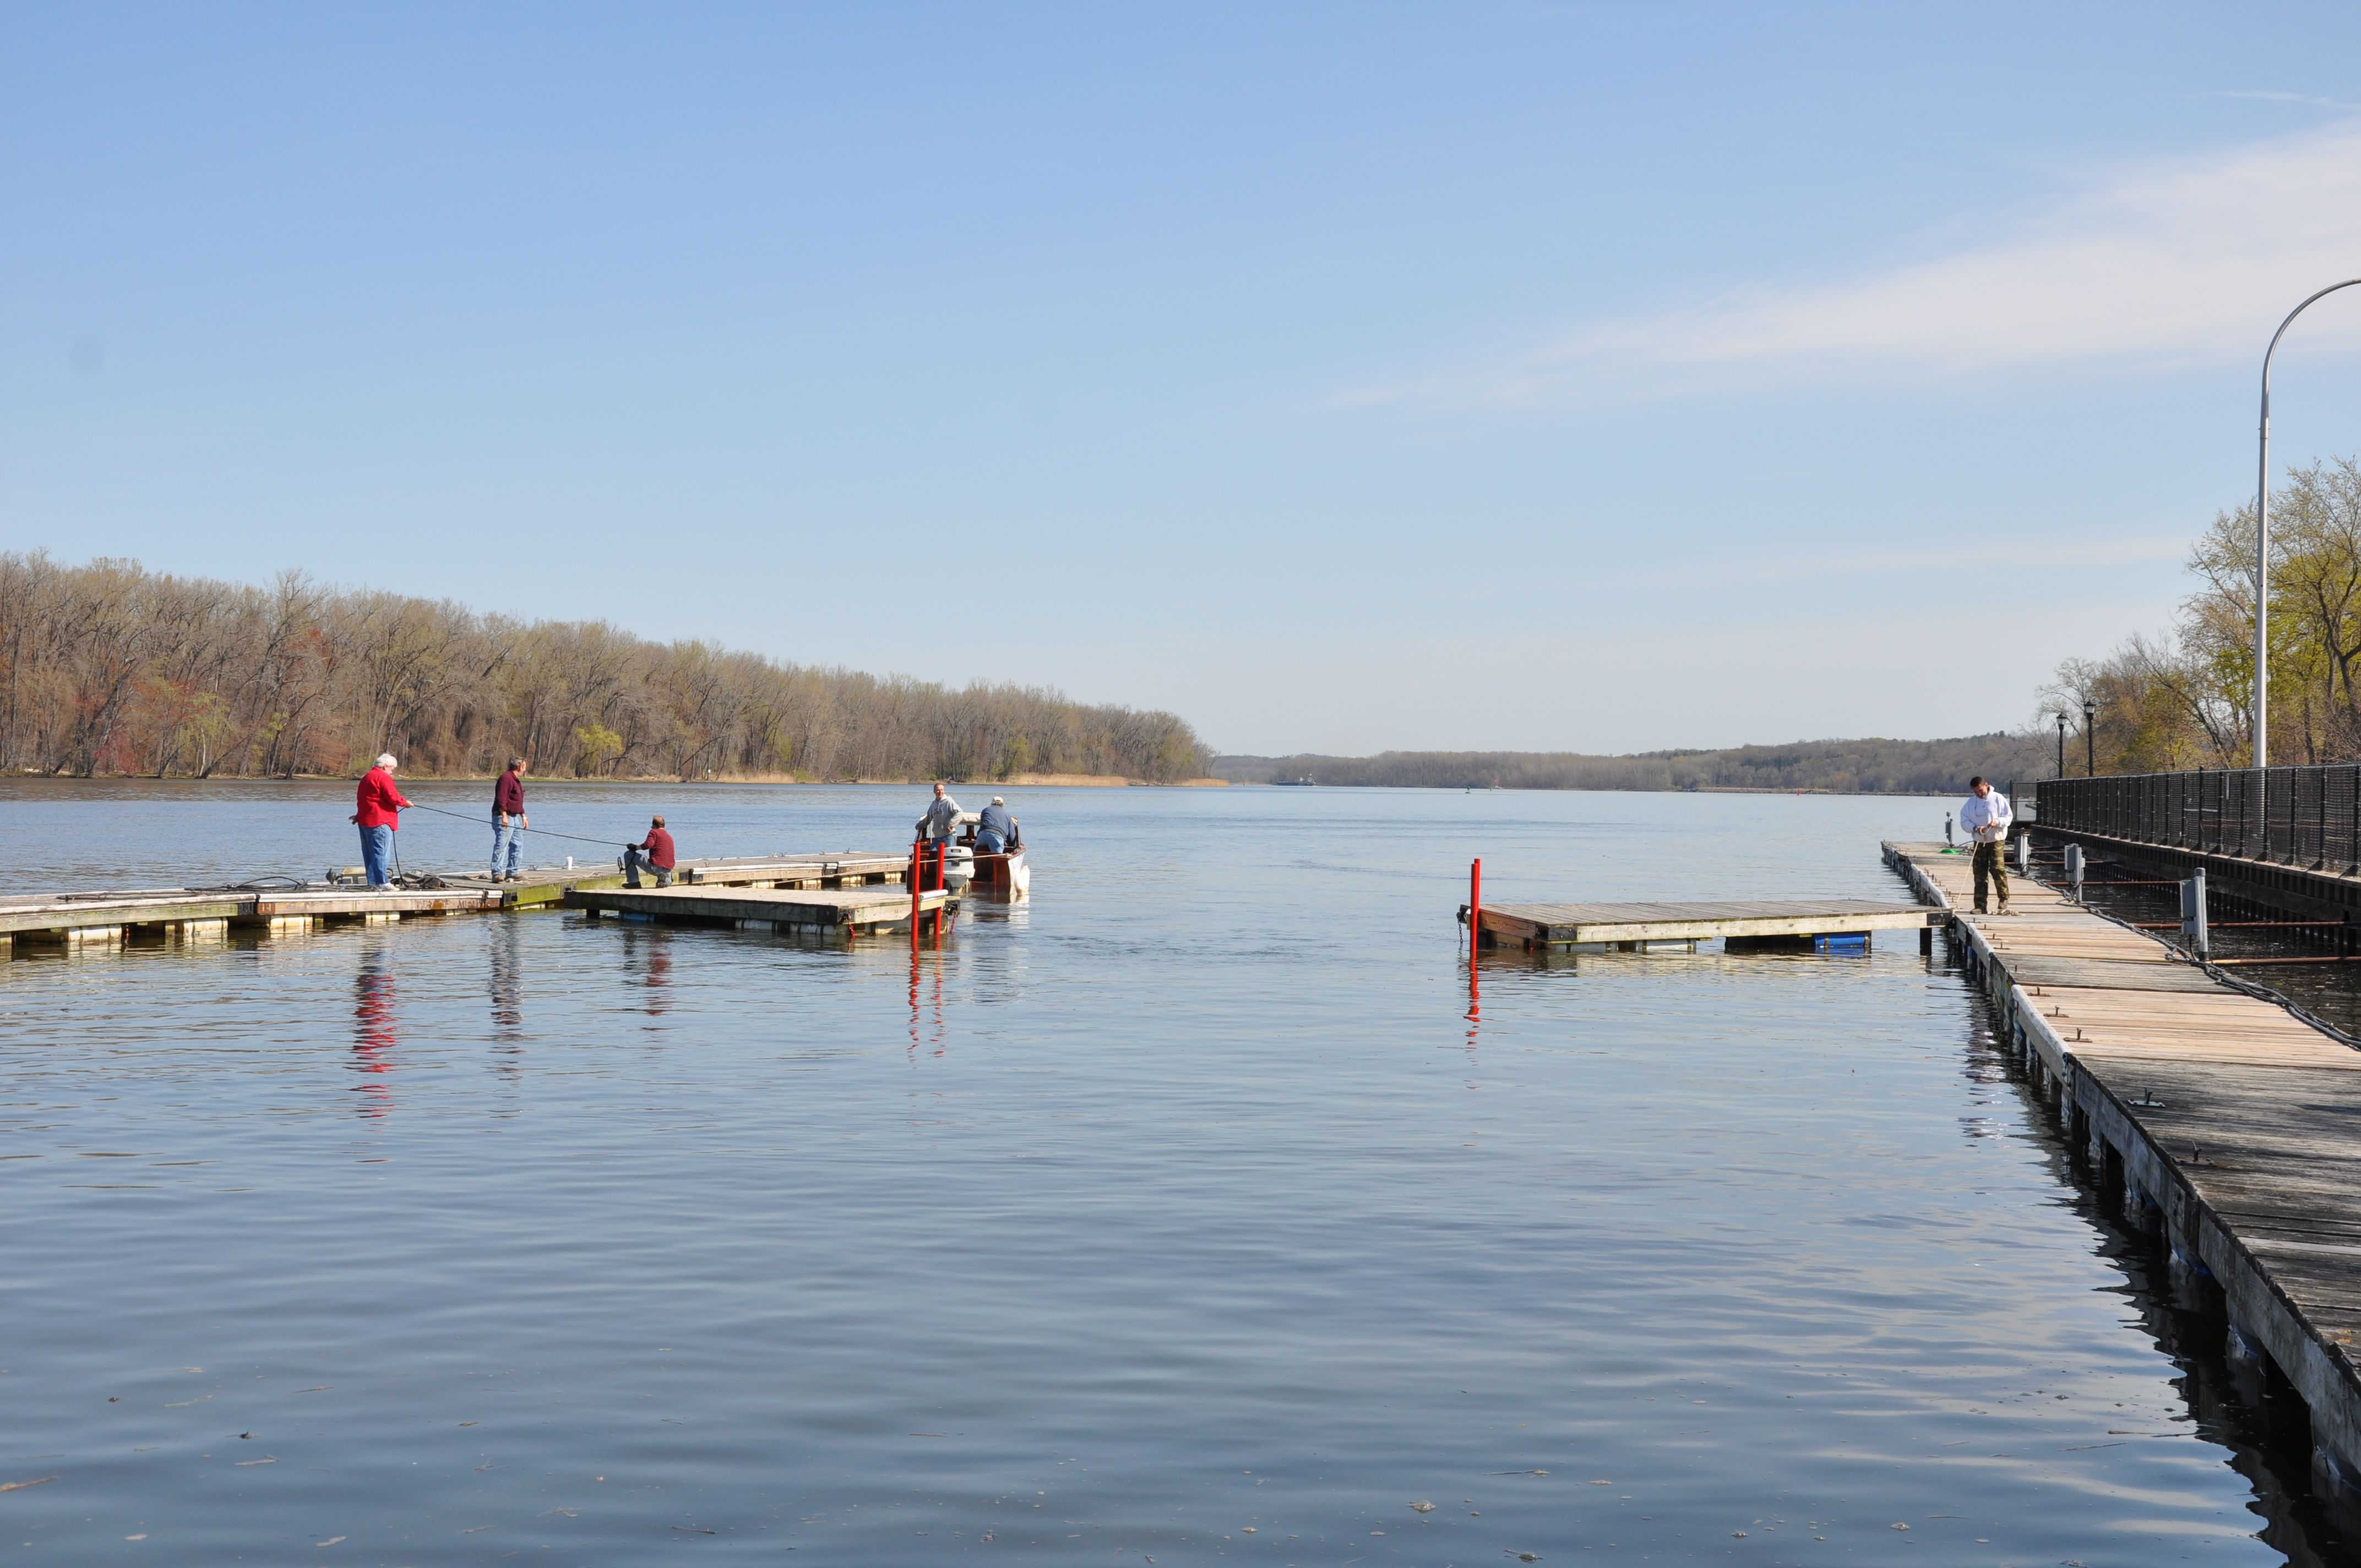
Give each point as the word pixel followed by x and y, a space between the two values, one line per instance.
pixel 845 912
pixel 1776 925
pixel 2206 1114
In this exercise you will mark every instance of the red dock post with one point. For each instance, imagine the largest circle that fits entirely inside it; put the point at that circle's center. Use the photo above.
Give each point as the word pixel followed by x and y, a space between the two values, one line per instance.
pixel 941 847
pixel 1474 906
pixel 917 849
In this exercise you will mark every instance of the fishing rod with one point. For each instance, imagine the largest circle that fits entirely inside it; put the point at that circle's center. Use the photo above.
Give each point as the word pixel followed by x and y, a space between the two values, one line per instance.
pixel 544 832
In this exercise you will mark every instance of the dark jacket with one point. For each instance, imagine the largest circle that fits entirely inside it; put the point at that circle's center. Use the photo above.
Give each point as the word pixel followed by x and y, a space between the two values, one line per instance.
pixel 508 795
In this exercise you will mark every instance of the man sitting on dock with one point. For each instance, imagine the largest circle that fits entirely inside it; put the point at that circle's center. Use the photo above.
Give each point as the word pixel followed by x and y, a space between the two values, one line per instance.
pixel 941 820
pixel 508 819
pixel 654 852
pixel 380 816
pixel 1986 818
pixel 995 829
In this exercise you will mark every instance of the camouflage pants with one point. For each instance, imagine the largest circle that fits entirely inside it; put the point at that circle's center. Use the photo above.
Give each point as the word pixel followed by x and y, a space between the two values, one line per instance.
pixel 1992 864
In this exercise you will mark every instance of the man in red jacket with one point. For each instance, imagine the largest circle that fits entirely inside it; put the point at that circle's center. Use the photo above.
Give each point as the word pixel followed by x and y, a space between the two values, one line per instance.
pixel 380 817
pixel 507 819
pixel 654 851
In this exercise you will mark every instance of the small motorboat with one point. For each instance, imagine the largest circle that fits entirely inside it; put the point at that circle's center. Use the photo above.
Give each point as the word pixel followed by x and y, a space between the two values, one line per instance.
pixel 1004 874
pixel 994 873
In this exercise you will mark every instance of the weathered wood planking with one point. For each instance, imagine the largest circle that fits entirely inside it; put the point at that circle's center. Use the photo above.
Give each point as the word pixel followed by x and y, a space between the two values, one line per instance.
pixel 2231 1123
pixel 1558 925
pixel 62 915
pixel 56 915
pixel 2110 974
pixel 843 910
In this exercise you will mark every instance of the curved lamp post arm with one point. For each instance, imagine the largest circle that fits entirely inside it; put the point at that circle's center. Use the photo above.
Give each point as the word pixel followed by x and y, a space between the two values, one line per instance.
pixel 2263 537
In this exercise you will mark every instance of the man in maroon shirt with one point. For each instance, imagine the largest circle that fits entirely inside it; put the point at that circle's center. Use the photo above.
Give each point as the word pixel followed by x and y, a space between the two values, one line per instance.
pixel 380 816
pixel 654 852
pixel 507 819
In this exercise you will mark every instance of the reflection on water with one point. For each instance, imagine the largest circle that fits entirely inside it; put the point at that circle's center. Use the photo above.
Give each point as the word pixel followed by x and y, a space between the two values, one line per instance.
pixel 375 1034
pixel 1174 1214
pixel 928 977
pixel 506 990
pixel 647 965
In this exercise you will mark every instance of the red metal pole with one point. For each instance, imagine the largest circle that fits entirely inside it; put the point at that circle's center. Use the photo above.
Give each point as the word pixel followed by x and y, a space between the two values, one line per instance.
pixel 1474 906
pixel 916 879
pixel 941 846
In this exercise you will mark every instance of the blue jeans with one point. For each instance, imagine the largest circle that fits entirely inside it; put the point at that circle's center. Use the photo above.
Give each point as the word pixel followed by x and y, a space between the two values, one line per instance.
pixel 377 855
pixel 635 861
pixel 988 842
pixel 506 830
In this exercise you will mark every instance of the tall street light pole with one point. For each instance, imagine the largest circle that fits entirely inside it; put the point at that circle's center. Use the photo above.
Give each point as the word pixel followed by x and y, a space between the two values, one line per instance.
pixel 2091 739
pixel 2061 743
pixel 2263 540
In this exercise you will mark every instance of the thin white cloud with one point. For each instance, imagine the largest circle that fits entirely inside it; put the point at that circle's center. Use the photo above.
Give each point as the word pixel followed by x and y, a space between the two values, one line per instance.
pixel 2304 100
pixel 2054 555
pixel 2193 261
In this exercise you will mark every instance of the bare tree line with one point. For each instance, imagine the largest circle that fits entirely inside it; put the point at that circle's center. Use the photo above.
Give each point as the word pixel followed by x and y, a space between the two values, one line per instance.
pixel 2184 698
pixel 1842 767
pixel 108 668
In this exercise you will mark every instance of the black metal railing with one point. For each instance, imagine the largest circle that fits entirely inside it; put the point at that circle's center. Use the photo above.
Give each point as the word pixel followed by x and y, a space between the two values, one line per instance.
pixel 2297 816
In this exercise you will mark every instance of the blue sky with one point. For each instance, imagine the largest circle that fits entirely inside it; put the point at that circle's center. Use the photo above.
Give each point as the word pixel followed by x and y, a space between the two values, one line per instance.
pixel 1340 377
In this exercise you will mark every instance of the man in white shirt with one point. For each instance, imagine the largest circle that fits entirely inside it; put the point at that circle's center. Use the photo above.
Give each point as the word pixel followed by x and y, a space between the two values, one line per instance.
pixel 941 820
pixel 1987 816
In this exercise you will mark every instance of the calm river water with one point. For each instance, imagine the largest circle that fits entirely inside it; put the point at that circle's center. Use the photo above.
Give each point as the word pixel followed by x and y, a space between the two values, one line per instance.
pixel 1181 1214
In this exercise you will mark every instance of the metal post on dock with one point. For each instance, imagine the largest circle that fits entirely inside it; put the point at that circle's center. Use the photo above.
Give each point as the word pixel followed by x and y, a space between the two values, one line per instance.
pixel 2025 854
pixel 2074 872
pixel 1475 906
pixel 1946 830
pixel 2192 913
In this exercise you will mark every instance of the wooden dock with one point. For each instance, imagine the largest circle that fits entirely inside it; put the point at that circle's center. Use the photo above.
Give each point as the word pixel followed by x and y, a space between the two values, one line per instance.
pixel 844 912
pixel 549 885
pixel 1634 927
pixel 195 914
pixel 2212 1117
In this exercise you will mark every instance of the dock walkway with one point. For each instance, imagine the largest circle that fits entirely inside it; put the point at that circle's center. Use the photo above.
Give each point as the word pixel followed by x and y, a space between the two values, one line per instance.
pixel 76 919
pixel 2209 1113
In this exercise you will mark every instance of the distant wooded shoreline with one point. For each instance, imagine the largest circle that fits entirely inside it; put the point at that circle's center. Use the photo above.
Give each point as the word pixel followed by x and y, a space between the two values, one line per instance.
pixel 1815 767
